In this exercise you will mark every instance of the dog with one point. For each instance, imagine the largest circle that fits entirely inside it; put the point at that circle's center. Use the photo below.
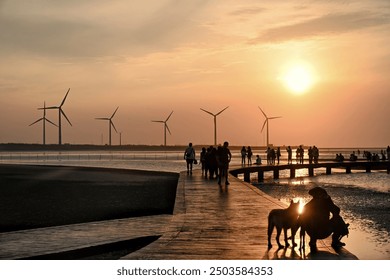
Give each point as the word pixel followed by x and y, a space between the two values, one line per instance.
pixel 283 219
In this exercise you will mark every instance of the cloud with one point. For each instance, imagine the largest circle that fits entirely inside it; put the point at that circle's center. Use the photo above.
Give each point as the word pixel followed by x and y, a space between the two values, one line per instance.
pixel 325 25
pixel 248 11
pixel 89 31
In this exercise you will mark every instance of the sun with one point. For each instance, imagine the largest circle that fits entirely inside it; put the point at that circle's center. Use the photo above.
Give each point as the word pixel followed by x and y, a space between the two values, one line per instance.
pixel 298 78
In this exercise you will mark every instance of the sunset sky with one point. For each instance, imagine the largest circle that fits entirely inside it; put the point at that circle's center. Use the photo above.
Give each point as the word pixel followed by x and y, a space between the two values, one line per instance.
pixel 323 66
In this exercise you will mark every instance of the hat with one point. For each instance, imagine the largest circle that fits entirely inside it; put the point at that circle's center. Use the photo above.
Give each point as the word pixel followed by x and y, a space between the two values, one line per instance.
pixel 318 192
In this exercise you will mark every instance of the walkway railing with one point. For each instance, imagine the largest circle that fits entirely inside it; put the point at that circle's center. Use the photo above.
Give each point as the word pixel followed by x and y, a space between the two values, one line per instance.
pixel 367 166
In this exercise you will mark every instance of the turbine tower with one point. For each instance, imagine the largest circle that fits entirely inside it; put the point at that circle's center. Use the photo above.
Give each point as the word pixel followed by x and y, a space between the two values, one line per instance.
pixel 165 128
pixel 215 122
pixel 110 123
pixel 60 113
pixel 266 122
pixel 44 120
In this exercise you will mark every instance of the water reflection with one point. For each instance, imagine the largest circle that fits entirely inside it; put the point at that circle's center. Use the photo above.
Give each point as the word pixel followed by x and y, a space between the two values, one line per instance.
pixel 364 201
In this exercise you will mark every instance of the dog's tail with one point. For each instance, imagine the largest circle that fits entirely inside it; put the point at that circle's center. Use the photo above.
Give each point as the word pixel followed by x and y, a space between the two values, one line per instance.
pixel 271 226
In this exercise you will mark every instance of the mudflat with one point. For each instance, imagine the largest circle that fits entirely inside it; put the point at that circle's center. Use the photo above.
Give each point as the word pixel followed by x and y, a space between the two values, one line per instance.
pixel 33 196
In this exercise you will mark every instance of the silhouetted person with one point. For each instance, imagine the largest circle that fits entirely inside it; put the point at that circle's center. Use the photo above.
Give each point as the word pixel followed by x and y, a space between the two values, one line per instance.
pixel 316 154
pixel 316 220
pixel 249 155
pixel 289 155
pixel 388 153
pixel 258 160
pixel 203 160
pixel 339 157
pixel 189 156
pixel 301 153
pixel 211 162
pixel 278 154
pixel 223 158
pixel 310 154
pixel 243 155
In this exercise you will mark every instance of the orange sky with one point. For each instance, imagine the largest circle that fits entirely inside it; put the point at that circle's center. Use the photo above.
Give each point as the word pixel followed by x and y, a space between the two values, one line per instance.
pixel 152 57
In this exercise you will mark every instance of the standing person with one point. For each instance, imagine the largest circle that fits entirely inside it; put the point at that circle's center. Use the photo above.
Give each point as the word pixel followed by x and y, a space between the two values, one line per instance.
pixel 289 155
pixel 316 154
pixel 278 154
pixel 301 154
pixel 243 155
pixel 203 161
pixel 189 156
pixel 388 153
pixel 212 162
pixel 310 154
pixel 223 158
pixel 249 155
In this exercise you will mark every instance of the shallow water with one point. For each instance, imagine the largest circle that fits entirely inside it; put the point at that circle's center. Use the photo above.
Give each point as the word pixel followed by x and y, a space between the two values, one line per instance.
pixel 364 199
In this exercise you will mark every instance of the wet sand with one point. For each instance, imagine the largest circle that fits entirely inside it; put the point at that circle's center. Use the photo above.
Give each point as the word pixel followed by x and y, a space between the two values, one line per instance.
pixel 41 196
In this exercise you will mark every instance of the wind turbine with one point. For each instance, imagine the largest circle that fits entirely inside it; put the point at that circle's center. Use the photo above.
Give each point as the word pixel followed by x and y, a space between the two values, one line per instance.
pixel 60 113
pixel 165 128
pixel 44 120
pixel 215 122
pixel 266 122
pixel 110 123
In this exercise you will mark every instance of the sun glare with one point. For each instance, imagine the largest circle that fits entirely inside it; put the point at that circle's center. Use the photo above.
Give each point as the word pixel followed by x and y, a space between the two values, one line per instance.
pixel 298 78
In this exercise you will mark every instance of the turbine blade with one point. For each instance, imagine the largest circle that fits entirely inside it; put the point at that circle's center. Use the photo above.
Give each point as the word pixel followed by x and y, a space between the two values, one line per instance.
pixel 66 95
pixel 263 112
pixel 207 112
pixel 52 107
pixel 265 122
pixel 113 126
pixel 271 118
pixel 114 112
pixel 106 119
pixel 169 116
pixel 168 129
pixel 36 121
pixel 50 122
pixel 159 121
pixel 222 111
pixel 63 113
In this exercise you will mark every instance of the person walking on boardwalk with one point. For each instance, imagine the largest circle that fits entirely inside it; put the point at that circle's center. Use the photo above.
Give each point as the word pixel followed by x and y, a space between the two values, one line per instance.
pixel 223 158
pixel 243 155
pixel 189 156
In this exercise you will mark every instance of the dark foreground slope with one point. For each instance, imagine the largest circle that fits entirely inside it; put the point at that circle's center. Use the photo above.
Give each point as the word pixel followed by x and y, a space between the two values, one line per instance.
pixel 41 196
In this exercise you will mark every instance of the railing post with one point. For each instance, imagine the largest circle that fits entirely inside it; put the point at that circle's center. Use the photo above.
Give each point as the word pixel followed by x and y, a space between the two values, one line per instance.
pixel 348 169
pixel 276 173
pixel 247 176
pixel 260 176
pixel 311 171
pixel 292 172
pixel 328 170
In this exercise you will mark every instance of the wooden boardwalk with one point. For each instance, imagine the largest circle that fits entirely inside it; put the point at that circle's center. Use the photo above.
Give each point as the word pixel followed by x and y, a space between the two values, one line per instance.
pixel 209 222
pixel 222 223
